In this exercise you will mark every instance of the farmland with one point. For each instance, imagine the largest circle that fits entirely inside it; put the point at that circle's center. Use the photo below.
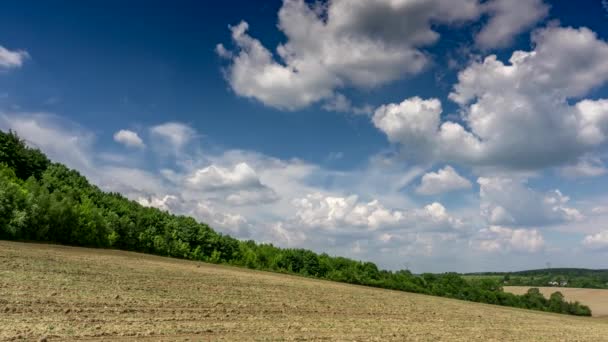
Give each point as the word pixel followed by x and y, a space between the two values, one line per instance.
pixel 78 293
pixel 596 299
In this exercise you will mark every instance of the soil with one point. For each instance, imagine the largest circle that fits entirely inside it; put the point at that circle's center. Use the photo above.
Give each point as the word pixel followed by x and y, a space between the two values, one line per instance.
pixel 51 293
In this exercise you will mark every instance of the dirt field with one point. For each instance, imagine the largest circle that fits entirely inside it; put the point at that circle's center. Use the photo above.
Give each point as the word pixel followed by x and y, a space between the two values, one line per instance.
pixel 64 293
pixel 597 300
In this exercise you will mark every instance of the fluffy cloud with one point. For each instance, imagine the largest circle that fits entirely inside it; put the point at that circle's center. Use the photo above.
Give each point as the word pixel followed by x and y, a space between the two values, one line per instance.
pixel 444 180
pixel 518 115
pixel 175 133
pixel 382 39
pixel 239 186
pixel 506 201
pixel 412 123
pixel 12 59
pixel 334 212
pixel 214 177
pixel 128 138
pixel 596 241
pixel 502 239
pixel 507 19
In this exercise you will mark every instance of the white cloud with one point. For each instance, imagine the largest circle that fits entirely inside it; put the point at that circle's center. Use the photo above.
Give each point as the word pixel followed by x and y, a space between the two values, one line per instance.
pixel 128 138
pixel 230 222
pixel 286 237
pixel 506 201
pixel 587 166
pixel 166 202
pixel 504 240
pixel 334 213
pixel 382 39
pixel 413 123
pixel 175 133
pixel 507 19
pixel 518 114
pixel 597 241
pixel 214 177
pixel 238 186
pixel 61 140
pixel 12 59
pixel 444 180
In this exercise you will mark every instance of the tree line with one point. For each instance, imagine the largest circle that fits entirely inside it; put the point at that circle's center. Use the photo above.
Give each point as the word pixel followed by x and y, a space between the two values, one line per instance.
pixel 564 277
pixel 47 202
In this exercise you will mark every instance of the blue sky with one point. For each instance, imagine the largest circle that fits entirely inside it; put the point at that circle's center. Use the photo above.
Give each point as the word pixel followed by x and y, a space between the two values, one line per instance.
pixel 456 135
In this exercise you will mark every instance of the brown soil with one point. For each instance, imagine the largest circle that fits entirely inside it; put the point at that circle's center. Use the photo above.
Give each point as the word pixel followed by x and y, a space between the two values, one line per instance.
pixel 66 293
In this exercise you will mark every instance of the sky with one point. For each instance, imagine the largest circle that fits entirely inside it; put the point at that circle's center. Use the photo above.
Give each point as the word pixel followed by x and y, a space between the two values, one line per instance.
pixel 433 135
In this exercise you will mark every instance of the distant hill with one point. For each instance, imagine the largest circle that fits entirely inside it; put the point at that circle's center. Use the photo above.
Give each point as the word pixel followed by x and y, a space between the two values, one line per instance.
pixel 565 277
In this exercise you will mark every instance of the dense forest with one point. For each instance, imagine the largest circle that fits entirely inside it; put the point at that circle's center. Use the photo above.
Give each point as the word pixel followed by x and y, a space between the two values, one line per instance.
pixel 47 202
pixel 563 277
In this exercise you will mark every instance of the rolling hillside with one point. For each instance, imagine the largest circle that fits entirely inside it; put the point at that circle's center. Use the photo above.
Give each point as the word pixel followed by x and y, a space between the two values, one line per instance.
pixel 63 293
pixel 47 202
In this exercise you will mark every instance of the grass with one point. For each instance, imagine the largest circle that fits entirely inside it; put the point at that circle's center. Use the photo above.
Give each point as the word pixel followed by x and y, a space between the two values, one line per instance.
pixel 596 299
pixel 72 293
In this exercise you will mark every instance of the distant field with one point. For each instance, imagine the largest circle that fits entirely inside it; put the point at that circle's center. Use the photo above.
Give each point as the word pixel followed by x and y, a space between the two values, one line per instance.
pixel 597 300
pixel 473 276
pixel 67 293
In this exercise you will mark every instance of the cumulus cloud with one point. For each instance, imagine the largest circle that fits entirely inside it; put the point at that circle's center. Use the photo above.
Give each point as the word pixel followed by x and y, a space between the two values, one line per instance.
pixel 412 123
pixel 214 177
pixel 444 180
pixel 239 186
pixel 383 40
pixel 507 19
pixel 334 212
pixel 504 240
pixel 176 134
pixel 517 115
pixel 507 201
pixel 597 241
pixel 12 59
pixel 128 138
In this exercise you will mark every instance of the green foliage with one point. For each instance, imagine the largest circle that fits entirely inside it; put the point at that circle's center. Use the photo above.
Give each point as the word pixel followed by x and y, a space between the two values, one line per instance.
pixel 40 201
pixel 26 162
